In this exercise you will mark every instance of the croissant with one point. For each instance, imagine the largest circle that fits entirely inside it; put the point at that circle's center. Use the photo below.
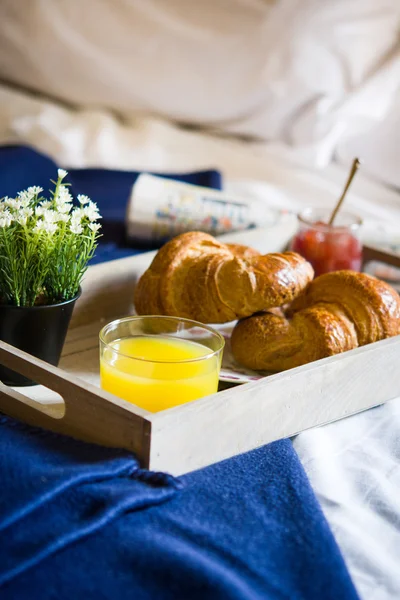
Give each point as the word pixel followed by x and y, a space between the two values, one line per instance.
pixel 197 277
pixel 337 312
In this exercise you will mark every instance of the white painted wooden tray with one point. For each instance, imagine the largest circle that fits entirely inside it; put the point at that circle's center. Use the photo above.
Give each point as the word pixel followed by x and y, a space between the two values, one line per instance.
pixel 208 430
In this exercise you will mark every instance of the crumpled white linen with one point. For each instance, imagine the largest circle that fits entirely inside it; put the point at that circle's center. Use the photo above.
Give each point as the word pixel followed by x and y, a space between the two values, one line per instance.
pixel 305 75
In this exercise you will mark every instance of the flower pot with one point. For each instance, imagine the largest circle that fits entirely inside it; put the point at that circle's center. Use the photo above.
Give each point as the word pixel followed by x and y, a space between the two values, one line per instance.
pixel 38 330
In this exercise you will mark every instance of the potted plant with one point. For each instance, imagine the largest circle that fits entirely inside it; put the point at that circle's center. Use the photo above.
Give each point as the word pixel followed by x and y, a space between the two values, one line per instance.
pixel 45 247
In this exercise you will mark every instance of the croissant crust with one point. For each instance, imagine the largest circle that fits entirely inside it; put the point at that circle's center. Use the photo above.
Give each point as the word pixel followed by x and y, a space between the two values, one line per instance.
pixel 197 277
pixel 339 311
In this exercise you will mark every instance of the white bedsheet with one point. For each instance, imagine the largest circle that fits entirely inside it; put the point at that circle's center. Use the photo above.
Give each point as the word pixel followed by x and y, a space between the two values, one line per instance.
pixel 353 465
pixel 354 469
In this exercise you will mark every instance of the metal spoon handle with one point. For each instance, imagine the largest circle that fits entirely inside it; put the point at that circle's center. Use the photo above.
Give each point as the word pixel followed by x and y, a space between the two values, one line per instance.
pixel 353 171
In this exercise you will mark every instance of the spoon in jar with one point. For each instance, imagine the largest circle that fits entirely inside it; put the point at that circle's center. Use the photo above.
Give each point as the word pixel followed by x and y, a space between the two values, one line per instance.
pixel 353 171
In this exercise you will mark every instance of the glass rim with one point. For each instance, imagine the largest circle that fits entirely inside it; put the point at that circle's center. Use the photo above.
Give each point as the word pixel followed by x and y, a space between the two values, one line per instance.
pixel 306 219
pixel 171 318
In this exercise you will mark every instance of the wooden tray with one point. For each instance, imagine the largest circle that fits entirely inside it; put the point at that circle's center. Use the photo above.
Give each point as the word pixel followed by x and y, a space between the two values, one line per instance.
pixel 208 430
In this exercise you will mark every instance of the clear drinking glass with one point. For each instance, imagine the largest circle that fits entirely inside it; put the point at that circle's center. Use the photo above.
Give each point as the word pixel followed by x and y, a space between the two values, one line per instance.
pixel 159 362
pixel 329 247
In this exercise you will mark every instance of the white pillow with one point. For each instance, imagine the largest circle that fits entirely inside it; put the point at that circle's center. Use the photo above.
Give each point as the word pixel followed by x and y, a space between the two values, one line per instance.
pixel 302 73
pixel 378 147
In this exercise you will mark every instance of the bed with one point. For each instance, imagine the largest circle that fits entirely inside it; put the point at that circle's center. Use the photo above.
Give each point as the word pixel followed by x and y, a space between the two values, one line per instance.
pixel 287 138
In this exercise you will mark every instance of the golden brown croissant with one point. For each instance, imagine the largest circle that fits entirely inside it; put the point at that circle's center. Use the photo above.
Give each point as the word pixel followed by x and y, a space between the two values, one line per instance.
pixel 337 312
pixel 197 277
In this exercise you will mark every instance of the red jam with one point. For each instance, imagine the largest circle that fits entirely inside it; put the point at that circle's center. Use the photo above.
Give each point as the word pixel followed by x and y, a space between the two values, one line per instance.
pixel 328 249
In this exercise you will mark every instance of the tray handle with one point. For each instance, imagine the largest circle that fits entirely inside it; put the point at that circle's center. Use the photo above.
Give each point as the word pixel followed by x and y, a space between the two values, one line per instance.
pixel 371 253
pixel 90 414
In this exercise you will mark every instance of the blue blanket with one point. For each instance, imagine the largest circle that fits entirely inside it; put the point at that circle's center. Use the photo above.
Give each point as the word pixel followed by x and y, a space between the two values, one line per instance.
pixel 81 521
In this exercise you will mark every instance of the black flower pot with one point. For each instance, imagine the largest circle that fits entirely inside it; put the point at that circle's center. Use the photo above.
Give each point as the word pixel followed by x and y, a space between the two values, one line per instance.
pixel 38 330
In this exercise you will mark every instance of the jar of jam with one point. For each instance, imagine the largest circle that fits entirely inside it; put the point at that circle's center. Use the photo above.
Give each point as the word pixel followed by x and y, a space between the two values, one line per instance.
pixel 329 247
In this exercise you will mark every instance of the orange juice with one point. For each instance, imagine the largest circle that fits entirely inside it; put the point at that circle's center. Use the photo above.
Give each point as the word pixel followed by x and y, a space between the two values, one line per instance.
pixel 158 372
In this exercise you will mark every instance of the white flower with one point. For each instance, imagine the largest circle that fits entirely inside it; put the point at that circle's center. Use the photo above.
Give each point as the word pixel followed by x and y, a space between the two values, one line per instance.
pixel 12 203
pixel 62 173
pixel 40 211
pixel 46 204
pixel 43 208
pixel 63 195
pixel 62 218
pixel 35 190
pixel 94 227
pixel 50 216
pixel 91 211
pixel 21 220
pixel 77 215
pixel 42 226
pixel 83 199
pixel 76 228
pixel 63 200
pixel 24 215
pixel 6 219
pixel 4 210
pixel 51 228
pixel 39 227
pixel 63 208
pixel 26 196
pixel 25 203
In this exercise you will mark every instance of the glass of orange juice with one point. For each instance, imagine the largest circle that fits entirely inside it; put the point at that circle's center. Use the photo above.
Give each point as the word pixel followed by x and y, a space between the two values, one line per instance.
pixel 159 362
